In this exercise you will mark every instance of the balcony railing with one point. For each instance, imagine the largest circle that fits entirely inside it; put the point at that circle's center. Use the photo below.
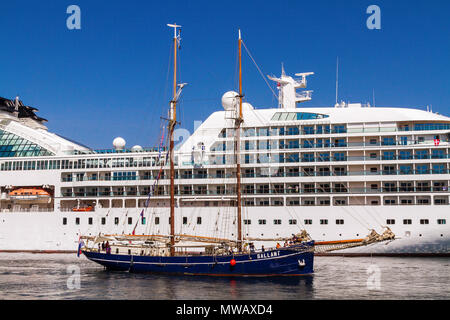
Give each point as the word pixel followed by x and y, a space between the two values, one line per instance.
pixel 278 191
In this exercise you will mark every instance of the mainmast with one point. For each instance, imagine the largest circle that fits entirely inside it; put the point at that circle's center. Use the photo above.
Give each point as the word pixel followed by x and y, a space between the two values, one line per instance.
pixel 172 123
pixel 239 121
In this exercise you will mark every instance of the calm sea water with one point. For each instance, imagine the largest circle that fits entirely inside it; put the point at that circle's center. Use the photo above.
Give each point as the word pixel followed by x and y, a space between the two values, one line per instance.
pixel 64 276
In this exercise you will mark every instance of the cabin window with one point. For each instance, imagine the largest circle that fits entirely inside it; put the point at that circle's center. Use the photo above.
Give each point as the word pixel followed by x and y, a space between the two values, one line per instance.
pixel 441 221
pixel 308 221
pixel 116 220
pixel 156 220
pixel 199 220
pixel 77 221
pixel 277 221
pixel 424 221
pixel 390 221
pixel 64 221
pixel 247 221
pixel 292 221
pixel 184 220
pixel 407 221
pixel 130 220
pixel 339 221
pixel 421 154
pixel 262 221
pixel 90 220
pixel 339 129
pixel 389 201
pixel 103 220
pixel 406 201
pixel 323 221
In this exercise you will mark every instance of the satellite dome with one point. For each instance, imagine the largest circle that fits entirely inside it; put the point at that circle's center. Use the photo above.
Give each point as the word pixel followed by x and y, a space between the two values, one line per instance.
pixel 136 148
pixel 119 143
pixel 229 100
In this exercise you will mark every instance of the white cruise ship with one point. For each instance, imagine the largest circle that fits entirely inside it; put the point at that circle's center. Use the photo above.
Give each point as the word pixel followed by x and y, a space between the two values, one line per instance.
pixel 336 172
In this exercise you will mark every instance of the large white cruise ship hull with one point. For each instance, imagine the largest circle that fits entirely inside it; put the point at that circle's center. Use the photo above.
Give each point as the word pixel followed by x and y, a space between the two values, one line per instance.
pixel 46 231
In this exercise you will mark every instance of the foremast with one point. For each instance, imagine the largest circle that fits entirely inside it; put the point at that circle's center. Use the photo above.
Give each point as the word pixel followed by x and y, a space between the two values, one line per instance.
pixel 238 121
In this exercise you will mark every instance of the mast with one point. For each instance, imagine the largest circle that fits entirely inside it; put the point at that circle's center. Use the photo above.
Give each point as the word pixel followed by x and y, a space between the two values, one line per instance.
pixel 172 123
pixel 239 120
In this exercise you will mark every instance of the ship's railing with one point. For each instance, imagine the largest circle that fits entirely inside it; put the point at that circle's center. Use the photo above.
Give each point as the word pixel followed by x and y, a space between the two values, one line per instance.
pixel 310 158
pixel 326 129
pixel 274 145
pixel 270 191
pixel 108 151
pixel 280 173
pixel 27 210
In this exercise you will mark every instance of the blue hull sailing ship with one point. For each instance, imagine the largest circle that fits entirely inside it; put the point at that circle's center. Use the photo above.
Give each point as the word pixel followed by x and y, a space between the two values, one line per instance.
pixel 213 256
pixel 290 261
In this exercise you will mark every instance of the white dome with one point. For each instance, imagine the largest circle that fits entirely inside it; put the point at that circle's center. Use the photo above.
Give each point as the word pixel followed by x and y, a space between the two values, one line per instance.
pixel 119 143
pixel 229 100
pixel 136 148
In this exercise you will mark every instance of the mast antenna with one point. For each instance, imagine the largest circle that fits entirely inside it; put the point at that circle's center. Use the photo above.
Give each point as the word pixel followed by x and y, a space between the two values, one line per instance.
pixel 337 78
pixel 373 97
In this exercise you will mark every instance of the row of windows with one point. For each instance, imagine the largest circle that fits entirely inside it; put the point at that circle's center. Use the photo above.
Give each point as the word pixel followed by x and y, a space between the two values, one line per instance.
pixel 436 168
pixel 103 220
pixel 289 116
pixel 260 221
pixel 77 164
pixel 314 144
pixel 323 129
pixel 262 158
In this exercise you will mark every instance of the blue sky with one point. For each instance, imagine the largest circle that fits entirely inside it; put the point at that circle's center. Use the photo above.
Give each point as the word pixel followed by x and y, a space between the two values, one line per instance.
pixel 111 77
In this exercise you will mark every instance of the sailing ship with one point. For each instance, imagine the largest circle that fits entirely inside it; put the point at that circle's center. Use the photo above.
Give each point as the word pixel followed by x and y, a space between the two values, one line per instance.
pixel 194 255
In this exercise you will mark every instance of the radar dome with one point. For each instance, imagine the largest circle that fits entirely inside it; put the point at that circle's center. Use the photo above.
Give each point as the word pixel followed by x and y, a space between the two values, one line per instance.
pixel 230 100
pixel 119 143
pixel 136 148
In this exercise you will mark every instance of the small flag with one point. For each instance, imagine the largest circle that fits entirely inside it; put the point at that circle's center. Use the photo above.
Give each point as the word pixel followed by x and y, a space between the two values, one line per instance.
pixel 80 245
pixel 436 142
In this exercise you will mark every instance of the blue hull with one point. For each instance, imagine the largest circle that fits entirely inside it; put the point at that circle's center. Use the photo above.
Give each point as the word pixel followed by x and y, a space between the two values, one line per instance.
pixel 292 261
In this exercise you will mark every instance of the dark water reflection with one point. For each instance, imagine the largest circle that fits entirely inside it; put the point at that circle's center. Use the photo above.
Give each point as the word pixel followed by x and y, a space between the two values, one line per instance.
pixel 37 276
